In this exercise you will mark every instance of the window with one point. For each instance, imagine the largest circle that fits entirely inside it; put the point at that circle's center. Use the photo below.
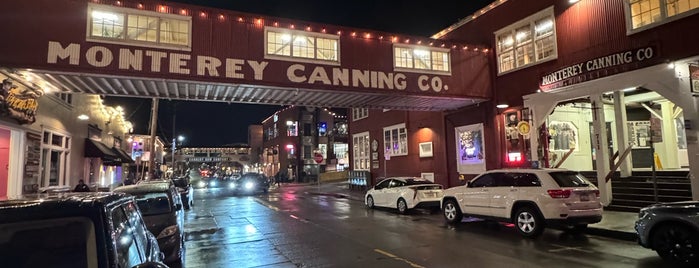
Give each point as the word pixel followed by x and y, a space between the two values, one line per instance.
pixel 292 128
pixel 55 151
pixel 526 180
pixel 503 180
pixel 643 14
pixel 128 26
pixel 527 42
pixel 395 140
pixel 65 97
pixel 283 44
pixel 486 180
pixel 360 151
pixel 129 255
pixel 416 58
pixel 383 184
pixel 359 113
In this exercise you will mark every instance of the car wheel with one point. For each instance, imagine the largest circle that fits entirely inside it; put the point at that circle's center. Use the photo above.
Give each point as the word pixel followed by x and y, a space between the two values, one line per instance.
pixel 452 212
pixel 402 206
pixel 677 244
pixel 370 202
pixel 528 222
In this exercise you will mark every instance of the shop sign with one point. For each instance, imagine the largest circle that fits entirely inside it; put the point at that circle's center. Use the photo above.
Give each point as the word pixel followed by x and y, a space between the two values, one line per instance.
pixel 694 77
pixel 19 103
pixel 594 68
pixel 208 159
pixel 524 128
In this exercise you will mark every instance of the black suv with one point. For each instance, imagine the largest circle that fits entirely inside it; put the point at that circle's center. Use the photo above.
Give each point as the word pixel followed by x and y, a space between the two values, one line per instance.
pixel 75 230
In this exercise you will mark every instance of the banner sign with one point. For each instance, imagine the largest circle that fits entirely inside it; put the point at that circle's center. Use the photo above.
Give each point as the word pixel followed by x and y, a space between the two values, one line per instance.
pixel 594 68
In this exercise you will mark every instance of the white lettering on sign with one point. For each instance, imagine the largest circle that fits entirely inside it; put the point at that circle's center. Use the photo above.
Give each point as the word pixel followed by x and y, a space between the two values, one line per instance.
pixel 600 63
pixel 184 64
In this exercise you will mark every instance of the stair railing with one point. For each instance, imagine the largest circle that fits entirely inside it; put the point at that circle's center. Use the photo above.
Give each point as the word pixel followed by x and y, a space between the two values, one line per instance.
pixel 565 156
pixel 618 164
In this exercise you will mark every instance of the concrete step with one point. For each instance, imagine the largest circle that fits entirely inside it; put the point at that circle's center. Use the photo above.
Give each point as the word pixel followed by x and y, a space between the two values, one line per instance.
pixel 648 197
pixel 613 207
pixel 649 191
pixel 661 185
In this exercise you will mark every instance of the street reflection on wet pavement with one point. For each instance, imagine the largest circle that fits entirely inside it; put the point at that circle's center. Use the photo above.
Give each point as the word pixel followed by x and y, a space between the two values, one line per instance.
pixel 289 227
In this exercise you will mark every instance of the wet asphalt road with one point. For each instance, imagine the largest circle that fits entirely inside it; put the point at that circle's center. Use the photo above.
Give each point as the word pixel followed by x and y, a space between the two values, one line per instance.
pixel 290 227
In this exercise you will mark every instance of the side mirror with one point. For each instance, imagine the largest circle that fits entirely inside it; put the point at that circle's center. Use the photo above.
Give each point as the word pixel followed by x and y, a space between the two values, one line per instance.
pixel 468 184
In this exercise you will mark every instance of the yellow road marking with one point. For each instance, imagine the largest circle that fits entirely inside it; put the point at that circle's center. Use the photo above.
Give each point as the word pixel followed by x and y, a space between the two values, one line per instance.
pixel 398 258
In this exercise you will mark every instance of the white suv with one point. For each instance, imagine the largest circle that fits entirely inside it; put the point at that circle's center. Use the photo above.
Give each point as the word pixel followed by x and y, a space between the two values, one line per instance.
pixel 529 198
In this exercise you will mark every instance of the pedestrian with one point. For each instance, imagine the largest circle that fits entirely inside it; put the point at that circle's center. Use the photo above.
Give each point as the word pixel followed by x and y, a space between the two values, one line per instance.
pixel 81 187
pixel 278 179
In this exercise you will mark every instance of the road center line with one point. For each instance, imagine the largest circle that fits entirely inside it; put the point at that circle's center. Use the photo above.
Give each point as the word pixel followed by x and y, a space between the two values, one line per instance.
pixel 398 258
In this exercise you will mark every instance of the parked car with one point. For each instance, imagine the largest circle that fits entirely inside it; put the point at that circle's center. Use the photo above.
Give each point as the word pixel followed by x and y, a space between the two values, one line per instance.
pixel 184 187
pixel 75 230
pixel 672 230
pixel 163 213
pixel 529 198
pixel 404 193
pixel 250 183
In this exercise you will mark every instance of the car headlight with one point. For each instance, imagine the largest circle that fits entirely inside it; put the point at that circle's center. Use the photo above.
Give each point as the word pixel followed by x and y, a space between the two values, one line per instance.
pixel 169 231
pixel 249 185
pixel 202 184
pixel 213 183
pixel 232 185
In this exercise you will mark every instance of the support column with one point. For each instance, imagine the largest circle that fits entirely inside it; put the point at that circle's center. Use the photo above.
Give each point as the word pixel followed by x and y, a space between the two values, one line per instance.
pixel 601 148
pixel 671 160
pixel 622 133
pixel 693 146
pixel 153 128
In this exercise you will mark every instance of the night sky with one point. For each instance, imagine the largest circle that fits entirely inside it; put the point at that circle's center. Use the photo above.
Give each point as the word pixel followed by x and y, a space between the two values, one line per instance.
pixel 216 124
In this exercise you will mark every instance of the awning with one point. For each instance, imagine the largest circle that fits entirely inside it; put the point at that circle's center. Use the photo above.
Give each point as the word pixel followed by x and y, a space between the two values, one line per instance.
pixel 124 156
pixel 99 150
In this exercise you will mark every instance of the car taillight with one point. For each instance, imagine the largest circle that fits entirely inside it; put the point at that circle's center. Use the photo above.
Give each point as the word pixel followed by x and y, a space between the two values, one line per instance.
pixel 559 193
pixel 596 192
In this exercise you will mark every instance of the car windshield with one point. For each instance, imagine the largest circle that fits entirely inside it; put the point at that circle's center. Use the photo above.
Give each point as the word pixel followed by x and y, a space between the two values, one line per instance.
pixel 416 181
pixel 63 242
pixel 569 179
pixel 153 203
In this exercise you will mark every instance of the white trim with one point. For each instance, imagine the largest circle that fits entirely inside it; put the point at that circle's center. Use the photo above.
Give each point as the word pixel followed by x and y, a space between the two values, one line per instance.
pixel 416 70
pixel 427 175
pixel 663 12
pixel 407 140
pixel 530 20
pixel 131 11
pixel 353 165
pixel 15 177
pixel 476 166
pixel 360 118
pixel 301 59
pixel 424 152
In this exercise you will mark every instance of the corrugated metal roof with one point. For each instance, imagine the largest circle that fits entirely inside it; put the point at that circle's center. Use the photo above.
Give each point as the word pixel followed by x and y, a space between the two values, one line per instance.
pixel 110 85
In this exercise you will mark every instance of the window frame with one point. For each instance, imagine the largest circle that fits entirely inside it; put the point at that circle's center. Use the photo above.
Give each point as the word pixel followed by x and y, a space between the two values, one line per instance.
pixel 293 58
pixel 397 127
pixel 125 41
pixel 663 20
pixel 430 50
pixel 63 150
pixel 362 112
pixel 512 29
pixel 366 158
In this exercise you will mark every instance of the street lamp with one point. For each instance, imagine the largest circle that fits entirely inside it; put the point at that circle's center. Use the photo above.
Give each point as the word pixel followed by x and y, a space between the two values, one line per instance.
pixel 180 138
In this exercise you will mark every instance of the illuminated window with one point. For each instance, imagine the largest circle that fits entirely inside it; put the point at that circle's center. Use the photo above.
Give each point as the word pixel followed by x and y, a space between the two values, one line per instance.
pixel 643 14
pixel 359 113
pixel 138 27
pixel 527 42
pixel 395 140
pixel 291 45
pixel 360 151
pixel 292 128
pixel 415 58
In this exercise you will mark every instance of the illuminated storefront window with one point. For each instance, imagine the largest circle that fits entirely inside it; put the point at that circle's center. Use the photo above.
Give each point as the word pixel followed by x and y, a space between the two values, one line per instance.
pixel 641 14
pixel 421 58
pixel 527 42
pixel 284 44
pixel 360 151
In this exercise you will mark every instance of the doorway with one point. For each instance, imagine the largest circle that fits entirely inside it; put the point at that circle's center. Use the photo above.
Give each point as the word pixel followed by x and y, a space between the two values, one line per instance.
pixel 4 161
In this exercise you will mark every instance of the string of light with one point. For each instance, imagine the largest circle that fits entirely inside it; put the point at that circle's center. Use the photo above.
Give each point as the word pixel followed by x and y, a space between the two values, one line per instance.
pixel 261 22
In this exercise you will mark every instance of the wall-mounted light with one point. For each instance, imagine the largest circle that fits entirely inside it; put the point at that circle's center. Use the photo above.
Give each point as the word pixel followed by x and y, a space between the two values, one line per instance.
pixel 502 106
pixel 83 117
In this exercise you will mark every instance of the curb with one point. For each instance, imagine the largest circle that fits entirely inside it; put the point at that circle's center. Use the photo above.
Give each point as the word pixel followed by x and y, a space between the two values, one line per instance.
pixel 621 235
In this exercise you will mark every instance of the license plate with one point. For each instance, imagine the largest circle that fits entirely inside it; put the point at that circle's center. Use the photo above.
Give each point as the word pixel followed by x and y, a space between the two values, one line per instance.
pixel 584 197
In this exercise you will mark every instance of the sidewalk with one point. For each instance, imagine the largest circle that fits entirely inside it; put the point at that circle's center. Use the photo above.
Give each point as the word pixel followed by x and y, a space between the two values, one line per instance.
pixel 614 224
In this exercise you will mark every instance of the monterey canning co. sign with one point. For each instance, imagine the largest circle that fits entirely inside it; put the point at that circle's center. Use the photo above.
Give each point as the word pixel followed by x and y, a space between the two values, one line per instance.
pixel 594 68
pixel 155 61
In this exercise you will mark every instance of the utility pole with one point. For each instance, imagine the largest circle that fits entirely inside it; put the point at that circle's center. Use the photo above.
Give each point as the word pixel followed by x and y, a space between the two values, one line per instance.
pixel 153 125
pixel 174 136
